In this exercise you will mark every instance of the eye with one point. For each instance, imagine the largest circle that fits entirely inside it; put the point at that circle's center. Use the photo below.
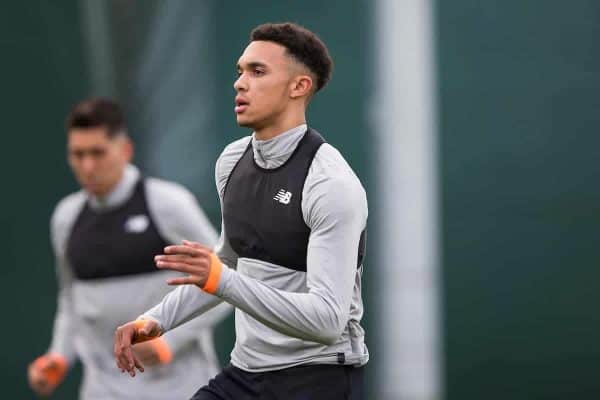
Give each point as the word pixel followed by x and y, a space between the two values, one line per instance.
pixel 259 72
pixel 96 153
pixel 78 154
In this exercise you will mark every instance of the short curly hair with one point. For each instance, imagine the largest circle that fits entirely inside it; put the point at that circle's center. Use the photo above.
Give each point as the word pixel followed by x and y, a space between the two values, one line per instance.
pixel 302 44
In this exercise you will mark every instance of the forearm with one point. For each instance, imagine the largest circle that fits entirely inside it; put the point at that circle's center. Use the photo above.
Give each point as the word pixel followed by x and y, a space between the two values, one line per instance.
pixel 62 334
pixel 179 338
pixel 181 305
pixel 317 315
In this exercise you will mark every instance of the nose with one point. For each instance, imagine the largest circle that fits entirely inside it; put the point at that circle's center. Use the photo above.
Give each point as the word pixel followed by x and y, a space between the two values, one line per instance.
pixel 88 164
pixel 240 83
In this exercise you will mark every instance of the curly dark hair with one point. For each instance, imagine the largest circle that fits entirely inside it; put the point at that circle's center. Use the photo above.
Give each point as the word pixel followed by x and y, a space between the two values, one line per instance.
pixel 302 44
pixel 97 112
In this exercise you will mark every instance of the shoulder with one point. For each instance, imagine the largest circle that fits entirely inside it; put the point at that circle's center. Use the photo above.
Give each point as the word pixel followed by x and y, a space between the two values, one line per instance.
pixel 68 208
pixel 228 159
pixel 232 153
pixel 332 187
pixel 331 169
pixel 166 191
pixel 168 198
pixel 64 216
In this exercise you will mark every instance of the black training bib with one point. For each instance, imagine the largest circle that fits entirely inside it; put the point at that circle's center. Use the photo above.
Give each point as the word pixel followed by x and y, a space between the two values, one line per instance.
pixel 262 208
pixel 116 242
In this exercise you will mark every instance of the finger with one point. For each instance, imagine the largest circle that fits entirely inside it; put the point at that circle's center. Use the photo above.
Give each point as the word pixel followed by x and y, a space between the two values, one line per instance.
pixel 200 258
pixel 181 267
pixel 138 364
pixel 42 388
pixel 38 381
pixel 130 361
pixel 117 345
pixel 196 245
pixel 183 258
pixel 119 367
pixel 135 363
pixel 185 280
pixel 122 362
pixel 122 348
pixel 182 249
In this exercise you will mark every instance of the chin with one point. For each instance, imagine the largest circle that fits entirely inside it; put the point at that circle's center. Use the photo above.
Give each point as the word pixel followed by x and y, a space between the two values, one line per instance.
pixel 95 189
pixel 244 122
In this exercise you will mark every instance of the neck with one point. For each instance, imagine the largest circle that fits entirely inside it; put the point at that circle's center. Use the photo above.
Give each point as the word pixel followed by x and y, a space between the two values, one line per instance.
pixel 102 195
pixel 289 121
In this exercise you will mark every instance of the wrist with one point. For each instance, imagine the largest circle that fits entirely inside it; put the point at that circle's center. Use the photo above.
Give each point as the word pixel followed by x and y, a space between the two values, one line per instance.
pixel 139 325
pixel 214 274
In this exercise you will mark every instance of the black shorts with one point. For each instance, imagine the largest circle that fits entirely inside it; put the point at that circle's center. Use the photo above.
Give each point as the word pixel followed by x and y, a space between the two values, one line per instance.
pixel 309 382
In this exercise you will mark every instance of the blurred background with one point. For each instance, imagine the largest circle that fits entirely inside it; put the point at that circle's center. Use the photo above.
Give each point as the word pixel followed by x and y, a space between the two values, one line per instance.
pixel 472 124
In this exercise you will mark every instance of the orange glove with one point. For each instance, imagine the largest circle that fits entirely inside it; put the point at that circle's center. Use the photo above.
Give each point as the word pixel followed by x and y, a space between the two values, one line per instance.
pixel 46 372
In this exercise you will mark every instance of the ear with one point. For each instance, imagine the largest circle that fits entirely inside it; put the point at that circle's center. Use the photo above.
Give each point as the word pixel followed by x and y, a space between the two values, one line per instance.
pixel 128 149
pixel 301 86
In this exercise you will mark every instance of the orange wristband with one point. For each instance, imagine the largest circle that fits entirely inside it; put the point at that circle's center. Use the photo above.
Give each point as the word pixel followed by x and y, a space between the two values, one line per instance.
pixel 214 274
pixel 138 338
pixel 53 366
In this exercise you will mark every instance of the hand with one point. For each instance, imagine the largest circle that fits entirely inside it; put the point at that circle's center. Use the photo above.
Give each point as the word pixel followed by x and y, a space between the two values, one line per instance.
pixel 190 258
pixel 46 373
pixel 131 333
pixel 153 352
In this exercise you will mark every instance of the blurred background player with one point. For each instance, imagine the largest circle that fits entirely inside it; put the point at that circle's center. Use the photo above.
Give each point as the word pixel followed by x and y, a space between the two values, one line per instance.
pixel 104 238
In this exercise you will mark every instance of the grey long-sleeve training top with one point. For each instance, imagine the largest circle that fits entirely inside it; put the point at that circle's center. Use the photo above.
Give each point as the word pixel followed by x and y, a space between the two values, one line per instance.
pixel 286 317
pixel 89 311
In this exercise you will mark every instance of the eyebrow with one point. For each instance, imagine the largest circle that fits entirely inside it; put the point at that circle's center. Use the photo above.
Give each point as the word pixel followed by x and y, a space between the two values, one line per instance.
pixel 252 64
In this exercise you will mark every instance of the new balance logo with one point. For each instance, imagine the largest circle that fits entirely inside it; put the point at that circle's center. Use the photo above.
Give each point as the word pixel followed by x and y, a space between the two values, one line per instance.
pixel 283 197
pixel 137 224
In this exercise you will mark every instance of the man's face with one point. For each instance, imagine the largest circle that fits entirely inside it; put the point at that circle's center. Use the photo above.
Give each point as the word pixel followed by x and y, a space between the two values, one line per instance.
pixel 264 76
pixel 97 160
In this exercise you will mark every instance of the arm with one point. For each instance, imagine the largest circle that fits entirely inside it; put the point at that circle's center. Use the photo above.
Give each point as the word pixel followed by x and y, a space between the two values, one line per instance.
pixel 64 325
pixel 48 370
pixel 177 341
pixel 62 333
pixel 187 302
pixel 336 212
pixel 177 307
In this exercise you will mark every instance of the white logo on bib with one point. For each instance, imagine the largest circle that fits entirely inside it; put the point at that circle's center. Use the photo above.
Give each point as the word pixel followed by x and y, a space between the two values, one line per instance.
pixel 283 196
pixel 137 224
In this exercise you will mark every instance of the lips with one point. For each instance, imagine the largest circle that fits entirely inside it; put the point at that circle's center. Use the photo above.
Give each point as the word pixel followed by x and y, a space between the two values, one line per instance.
pixel 241 105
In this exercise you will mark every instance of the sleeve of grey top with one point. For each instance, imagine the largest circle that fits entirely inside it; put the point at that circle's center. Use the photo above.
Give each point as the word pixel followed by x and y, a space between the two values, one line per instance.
pixel 178 216
pixel 187 301
pixel 335 209
pixel 60 226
